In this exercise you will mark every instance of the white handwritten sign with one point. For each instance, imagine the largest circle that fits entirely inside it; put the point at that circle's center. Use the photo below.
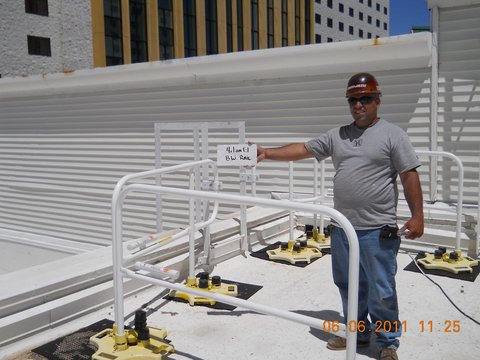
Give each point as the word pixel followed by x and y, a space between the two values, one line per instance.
pixel 237 155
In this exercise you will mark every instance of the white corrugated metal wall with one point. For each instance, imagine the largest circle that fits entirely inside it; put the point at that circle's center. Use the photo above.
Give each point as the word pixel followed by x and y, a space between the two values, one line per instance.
pixel 459 96
pixel 65 143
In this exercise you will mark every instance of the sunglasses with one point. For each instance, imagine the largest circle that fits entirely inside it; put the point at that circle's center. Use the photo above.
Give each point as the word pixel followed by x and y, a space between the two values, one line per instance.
pixel 364 100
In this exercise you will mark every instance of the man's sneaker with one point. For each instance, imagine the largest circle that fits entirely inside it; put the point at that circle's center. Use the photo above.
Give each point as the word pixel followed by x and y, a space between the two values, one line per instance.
pixel 339 343
pixel 388 354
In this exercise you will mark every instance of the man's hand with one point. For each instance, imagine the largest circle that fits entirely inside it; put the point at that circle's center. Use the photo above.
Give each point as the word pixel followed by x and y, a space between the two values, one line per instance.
pixel 413 228
pixel 261 153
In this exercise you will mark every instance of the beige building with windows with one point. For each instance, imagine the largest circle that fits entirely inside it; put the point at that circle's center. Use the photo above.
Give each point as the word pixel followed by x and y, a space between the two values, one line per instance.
pixel 129 31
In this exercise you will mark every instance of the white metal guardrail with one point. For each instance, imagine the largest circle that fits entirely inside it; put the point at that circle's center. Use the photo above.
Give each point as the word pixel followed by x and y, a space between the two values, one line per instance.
pixel 316 197
pixel 429 153
pixel 459 208
pixel 120 269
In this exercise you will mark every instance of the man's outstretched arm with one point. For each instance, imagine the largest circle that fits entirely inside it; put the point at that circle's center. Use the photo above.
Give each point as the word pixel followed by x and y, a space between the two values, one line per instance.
pixel 290 152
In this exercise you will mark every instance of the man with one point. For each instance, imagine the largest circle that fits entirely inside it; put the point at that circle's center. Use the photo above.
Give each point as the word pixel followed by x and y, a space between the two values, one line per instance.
pixel 367 155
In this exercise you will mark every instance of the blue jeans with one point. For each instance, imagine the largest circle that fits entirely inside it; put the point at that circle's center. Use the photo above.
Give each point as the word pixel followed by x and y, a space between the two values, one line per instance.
pixel 377 294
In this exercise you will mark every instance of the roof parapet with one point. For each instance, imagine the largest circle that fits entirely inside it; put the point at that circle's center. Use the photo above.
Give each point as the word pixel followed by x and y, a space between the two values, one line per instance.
pixel 450 3
pixel 396 52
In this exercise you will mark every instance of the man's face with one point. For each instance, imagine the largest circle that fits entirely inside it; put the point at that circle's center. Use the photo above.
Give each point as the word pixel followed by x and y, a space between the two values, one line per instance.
pixel 364 109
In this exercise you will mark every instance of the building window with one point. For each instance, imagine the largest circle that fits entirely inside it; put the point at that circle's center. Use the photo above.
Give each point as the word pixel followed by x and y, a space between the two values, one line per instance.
pixel 340 26
pixel 270 29
pixel 351 12
pixel 297 22
pixel 189 28
pixel 341 7
pixel 369 19
pixel 38 45
pixel 360 1
pixel 329 39
pixel 360 15
pixel 229 26
pixel 385 11
pixel 38 7
pixel 138 30
pixel 165 29
pixel 330 4
pixel 385 27
pixel 369 3
pixel 211 26
pixel 329 23
pixel 360 33
pixel 113 32
pixel 285 22
pixel 378 7
pixel 350 30
pixel 308 34
pixel 240 25
pixel 318 18
pixel 255 34
pixel 377 23
pixel 369 35
pixel 318 1
pixel 318 39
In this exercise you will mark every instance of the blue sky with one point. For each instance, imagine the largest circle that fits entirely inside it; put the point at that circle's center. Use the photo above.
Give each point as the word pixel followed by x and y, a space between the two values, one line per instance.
pixel 407 13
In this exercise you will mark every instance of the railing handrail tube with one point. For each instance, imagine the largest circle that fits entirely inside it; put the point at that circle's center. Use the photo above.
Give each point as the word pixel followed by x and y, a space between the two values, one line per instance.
pixel 457 160
pixel 260 308
pixel 240 200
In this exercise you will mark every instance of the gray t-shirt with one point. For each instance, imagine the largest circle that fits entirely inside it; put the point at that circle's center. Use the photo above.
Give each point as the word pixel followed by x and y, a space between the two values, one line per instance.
pixel 367 162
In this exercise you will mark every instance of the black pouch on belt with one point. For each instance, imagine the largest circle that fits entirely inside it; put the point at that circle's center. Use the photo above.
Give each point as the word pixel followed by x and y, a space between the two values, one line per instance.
pixel 388 232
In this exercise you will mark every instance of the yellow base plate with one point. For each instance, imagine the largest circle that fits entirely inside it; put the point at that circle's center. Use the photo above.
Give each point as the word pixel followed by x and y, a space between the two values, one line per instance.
pixel 320 243
pixel 222 288
pixel 156 348
pixel 305 254
pixel 317 240
pixel 461 264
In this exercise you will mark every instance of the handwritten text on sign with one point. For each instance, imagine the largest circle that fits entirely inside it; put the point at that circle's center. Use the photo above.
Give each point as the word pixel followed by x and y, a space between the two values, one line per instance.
pixel 237 155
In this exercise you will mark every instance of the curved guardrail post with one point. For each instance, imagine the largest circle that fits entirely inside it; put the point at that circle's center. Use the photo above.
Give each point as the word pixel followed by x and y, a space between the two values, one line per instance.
pixel 120 271
pixel 457 160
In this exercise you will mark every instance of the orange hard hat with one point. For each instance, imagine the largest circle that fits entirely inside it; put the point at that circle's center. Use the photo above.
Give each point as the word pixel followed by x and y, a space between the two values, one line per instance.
pixel 362 83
